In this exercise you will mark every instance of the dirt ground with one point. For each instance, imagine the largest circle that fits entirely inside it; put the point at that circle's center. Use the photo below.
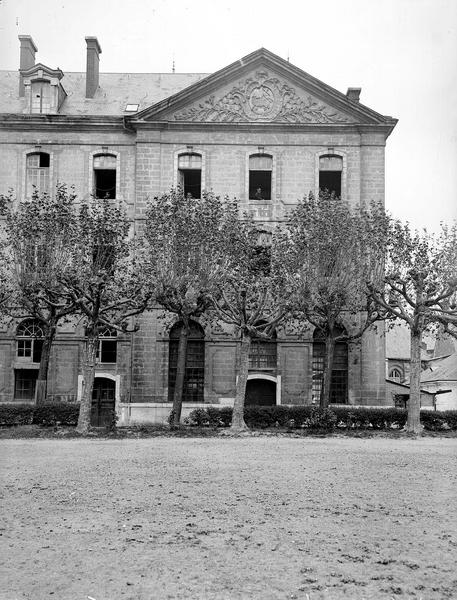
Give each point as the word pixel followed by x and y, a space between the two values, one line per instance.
pixel 222 518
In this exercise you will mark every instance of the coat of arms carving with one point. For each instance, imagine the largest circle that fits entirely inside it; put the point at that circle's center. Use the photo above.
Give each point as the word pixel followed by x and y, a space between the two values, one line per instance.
pixel 261 98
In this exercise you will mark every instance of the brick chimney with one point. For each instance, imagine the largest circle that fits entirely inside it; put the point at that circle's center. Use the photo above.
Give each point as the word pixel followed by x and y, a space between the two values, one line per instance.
pixel 92 65
pixel 354 94
pixel 27 58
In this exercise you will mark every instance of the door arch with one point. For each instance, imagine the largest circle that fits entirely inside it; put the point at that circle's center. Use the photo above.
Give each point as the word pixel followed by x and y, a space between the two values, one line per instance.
pixel 103 402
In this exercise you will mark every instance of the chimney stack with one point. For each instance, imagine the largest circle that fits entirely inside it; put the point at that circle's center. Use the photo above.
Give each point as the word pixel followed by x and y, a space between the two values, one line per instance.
pixel 92 65
pixel 27 58
pixel 354 94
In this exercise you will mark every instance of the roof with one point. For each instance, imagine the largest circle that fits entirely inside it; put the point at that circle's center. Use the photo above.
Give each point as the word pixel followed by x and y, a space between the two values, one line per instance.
pixel 258 88
pixel 404 387
pixel 442 369
pixel 116 90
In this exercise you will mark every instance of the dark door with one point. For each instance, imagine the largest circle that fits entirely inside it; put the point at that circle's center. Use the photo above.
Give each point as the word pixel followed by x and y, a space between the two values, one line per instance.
pixel 103 402
pixel 260 392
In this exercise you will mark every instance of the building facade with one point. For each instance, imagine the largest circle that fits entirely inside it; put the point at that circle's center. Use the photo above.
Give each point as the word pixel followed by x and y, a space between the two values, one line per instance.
pixel 260 130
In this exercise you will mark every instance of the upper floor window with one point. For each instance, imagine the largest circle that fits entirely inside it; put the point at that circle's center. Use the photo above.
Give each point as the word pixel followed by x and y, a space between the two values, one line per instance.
pixel 107 345
pixel 263 353
pixel 37 173
pixel 105 176
pixel 330 173
pixel 29 340
pixel 190 174
pixel 260 170
pixel 40 96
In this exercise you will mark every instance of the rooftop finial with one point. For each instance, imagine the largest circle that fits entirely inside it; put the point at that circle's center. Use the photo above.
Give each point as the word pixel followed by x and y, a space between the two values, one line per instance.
pixel 173 64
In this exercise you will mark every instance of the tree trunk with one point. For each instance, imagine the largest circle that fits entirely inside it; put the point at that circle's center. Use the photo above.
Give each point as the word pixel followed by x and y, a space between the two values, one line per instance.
pixel 413 423
pixel 238 423
pixel 328 369
pixel 90 353
pixel 42 379
pixel 180 373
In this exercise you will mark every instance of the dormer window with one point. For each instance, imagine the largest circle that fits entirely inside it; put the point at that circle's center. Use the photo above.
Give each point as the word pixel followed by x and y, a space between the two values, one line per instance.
pixel 43 89
pixel 40 97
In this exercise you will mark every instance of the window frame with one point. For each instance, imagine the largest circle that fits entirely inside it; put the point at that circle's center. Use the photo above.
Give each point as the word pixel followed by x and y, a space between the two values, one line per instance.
pixel 189 151
pixel 29 347
pixel 272 171
pixel 194 378
pixel 105 151
pixel 106 337
pixel 337 153
pixel 26 184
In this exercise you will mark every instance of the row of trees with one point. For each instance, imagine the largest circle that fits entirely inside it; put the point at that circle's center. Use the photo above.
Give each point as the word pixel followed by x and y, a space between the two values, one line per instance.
pixel 338 268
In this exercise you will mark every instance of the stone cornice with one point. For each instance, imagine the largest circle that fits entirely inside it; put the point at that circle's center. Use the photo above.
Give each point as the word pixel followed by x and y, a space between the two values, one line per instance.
pixel 62 122
pixel 343 128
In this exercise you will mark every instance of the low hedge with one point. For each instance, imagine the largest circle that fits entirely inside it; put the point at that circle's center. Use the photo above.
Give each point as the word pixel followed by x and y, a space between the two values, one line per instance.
pixel 48 414
pixel 16 414
pixel 315 418
pixel 56 413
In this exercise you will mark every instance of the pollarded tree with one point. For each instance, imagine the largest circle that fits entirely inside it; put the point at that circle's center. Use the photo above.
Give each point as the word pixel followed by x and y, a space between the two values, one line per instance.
pixel 331 251
pixel 251 293
pixel 38 234
pixel 181 236
pixel 419 287
pixel 104 283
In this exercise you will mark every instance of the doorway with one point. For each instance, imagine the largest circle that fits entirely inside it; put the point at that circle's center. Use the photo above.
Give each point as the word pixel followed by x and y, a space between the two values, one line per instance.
pixel 260 392
pixel 103 402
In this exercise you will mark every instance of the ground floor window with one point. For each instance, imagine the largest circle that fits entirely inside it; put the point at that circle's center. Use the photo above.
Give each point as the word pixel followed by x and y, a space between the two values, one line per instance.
pixel 339 382
pixel 194 377
pixel 24 384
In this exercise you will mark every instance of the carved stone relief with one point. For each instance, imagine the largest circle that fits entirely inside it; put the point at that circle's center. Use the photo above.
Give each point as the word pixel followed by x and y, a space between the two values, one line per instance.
pixel 262 98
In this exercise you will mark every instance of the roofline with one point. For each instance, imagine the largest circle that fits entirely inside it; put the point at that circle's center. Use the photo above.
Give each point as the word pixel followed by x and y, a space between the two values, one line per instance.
pixel 318 87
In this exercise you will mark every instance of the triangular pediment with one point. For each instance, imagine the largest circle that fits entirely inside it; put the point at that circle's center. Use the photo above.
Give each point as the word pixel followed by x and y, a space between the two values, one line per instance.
pixel 261 88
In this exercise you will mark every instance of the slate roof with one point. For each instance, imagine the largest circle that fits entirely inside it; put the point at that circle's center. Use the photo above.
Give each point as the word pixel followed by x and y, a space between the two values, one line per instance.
pixel 442 369
pixel 115 92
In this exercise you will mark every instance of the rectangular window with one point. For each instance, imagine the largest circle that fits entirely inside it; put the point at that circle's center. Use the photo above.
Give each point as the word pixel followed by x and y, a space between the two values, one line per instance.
pixel 37 173
pixel 24 384
pixel 41 97
pixel 259 185
pixel 191 182
pixel 24 348
pixel 107 351
pixel 105 176
pixel 331 181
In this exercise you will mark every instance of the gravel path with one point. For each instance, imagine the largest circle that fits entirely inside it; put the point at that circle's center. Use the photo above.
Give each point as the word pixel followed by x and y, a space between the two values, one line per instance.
pixel 251 518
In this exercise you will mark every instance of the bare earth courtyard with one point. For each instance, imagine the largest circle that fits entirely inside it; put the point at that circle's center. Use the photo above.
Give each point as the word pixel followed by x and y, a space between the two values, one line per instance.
pixel 223 518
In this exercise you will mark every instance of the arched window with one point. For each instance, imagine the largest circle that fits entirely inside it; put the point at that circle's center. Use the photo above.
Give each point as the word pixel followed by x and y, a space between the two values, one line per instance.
pixel 107 346
pixel 29 340
pixel 104 167
pixel 330 173
pixel 263 353
pixel 194 378
pixel 37 173
pixel 190 174
pixel 339 382
pixel 260 170
pixel 396 375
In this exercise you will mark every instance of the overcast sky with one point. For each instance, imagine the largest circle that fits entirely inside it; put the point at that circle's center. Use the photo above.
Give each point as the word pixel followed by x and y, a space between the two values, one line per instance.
pixel 402 53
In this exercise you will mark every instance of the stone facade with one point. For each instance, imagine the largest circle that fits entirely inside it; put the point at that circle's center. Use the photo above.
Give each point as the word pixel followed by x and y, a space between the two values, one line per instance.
pixel 258 106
